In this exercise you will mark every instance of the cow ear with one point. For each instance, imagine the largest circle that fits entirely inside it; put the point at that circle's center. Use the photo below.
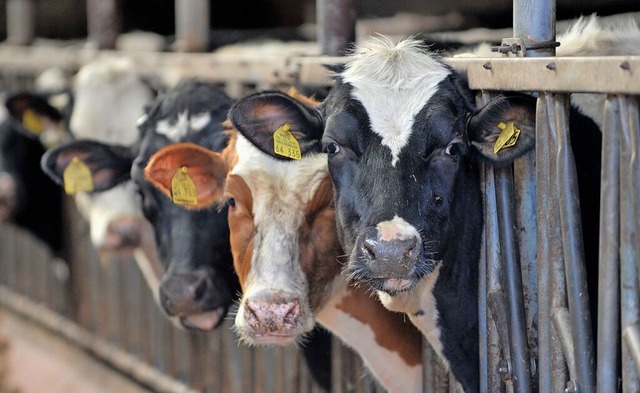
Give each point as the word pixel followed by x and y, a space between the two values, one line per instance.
pixel 270 119
pixel 192 176
pixel 106 165
pixel 504 129
pixel 32 111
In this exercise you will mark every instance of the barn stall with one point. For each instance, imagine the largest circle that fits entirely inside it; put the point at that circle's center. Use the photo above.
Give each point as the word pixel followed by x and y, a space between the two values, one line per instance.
pixel 533 331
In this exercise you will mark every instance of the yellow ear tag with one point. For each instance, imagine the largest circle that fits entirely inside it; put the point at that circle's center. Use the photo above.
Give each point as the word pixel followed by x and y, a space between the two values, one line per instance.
pixel 285 144
pixel 32 122
pixel 508 137
pixel 183 190
pixel 77 177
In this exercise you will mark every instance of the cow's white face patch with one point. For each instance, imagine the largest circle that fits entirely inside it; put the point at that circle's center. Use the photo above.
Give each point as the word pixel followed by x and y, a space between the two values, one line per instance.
pixel 184 125
pixel 393 82
pixel 279 200
pixel 396 229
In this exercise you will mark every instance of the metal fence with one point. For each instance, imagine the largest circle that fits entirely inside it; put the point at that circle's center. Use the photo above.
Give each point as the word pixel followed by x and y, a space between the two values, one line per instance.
pixel 533 331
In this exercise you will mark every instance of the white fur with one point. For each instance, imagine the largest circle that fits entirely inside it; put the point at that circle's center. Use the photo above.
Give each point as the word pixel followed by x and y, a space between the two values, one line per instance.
pixel 419 298
pixel 384 364
pixel 101 208
pixel 393 82
pixel 279 199
pixel 109 99
pixel 185 124
pixel 396 228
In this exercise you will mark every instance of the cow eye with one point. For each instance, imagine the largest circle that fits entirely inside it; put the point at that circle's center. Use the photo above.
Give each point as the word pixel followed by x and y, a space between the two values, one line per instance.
pixel 454 149
pixel 331 148
pixel 231 202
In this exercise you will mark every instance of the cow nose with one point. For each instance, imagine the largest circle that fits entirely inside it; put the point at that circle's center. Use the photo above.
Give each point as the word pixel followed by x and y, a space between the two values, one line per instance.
pixel 124 232
pixel 183 293
pixel 392 258
pixel 275 317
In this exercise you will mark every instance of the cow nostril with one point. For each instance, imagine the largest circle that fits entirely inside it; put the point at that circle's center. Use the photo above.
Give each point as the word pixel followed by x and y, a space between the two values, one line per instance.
pixel 369 247
pixel 200 289
pixel 412 249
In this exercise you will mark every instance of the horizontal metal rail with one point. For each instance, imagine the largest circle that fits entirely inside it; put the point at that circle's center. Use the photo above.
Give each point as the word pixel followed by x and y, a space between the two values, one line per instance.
pixel 614 74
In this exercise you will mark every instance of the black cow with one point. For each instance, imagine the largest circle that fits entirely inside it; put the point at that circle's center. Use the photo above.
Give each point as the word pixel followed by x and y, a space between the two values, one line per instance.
pixel 28 198
pixel 199 284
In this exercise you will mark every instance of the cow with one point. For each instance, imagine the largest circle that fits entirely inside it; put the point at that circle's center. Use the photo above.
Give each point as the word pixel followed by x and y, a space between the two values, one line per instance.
pixel 109 97
pixel 28 198
pixel 199 284
pixel 286 250
pixel 404 138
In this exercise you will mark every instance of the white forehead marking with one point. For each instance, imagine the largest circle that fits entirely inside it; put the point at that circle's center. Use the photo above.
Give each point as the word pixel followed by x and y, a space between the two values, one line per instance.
pixel 180 128
pixel 393 82
pixel 200 120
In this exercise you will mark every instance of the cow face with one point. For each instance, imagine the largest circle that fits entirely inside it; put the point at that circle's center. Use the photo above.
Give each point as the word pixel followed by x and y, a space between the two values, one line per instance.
pixel 109 98
pixel 401 132
pixel 193 241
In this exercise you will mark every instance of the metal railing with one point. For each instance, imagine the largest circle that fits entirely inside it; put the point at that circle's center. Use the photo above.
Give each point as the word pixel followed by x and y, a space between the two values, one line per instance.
pixel 535 334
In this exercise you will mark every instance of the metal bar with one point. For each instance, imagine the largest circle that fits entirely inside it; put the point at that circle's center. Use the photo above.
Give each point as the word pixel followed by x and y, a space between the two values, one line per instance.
pixel 573 250
pixel 534 22
pixel 561 319
pixel 482 312
pixel 103 22
pixel 192 25
pixel 520 360
pixel 631 336
pixel 559 372
pixel 616 74
pixel 608 285
pixel 20 22
pixel 119 359
pixel 543 253
pixel 336 25
pixel 629 253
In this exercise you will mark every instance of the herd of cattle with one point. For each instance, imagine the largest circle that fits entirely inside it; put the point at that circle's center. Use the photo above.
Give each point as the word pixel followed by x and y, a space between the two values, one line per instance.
pixel 362 212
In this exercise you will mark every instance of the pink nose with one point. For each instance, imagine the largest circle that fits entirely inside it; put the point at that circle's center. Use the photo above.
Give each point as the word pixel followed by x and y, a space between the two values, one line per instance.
pixel 272 317
pixel 124 233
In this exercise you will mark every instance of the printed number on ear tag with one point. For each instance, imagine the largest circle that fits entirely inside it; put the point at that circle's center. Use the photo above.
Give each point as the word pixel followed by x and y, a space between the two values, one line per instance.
pixel 285 144
pixel 508 137
pixel 77 177
pixel 183 190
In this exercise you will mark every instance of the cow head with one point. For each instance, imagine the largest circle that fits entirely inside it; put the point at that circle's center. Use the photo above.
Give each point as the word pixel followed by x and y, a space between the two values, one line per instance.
pixel 281 220
pixel 109 98
pixel 198 284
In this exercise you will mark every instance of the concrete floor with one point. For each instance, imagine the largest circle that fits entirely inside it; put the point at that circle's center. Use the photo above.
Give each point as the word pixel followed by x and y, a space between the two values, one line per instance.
pixel 40 362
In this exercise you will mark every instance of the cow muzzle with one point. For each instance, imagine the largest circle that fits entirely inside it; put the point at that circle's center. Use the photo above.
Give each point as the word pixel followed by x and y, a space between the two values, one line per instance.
pixel 386 263
pixel 273 319
pixel 192 298
pixel 8 202
pixel 124 234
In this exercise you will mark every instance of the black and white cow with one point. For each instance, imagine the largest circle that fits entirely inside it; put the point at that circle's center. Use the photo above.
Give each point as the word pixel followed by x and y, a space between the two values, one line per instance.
pixel 404 137
pixel 28 198
pixel 198 285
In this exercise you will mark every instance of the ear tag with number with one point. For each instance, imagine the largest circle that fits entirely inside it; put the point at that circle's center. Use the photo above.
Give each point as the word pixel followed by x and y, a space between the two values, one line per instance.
pixel 183 189
pixel 508 137
pixel 285 144
pixel 32 122
pixel 77 177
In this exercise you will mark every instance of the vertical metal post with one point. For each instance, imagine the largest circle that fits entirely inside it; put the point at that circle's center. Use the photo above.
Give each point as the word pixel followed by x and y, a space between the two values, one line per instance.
pixel 20 22
pixel 336 24
pixel 629 252
pixel 609 268
pixel 192 25
pixel 104 22
pixel 534 22
pixel 573 251
pixel 520 360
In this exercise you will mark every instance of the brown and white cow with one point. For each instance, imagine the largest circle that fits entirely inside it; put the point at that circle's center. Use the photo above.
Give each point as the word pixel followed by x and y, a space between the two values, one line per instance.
pixel 286 252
